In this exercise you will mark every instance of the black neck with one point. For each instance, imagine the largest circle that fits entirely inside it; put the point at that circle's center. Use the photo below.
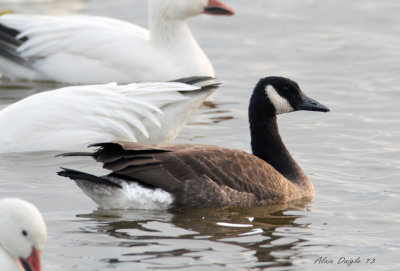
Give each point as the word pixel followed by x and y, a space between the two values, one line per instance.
pixel 267 144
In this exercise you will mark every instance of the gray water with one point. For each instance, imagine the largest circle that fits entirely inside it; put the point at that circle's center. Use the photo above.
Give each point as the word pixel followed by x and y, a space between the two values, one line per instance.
pixel 345 54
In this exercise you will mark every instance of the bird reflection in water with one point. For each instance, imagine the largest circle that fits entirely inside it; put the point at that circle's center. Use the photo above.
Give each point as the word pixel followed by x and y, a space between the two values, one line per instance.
pixel 259 235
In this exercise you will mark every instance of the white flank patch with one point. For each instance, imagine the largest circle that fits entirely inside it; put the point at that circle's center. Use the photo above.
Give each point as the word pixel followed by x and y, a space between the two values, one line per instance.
pixel 131 196
pixel 146 198
pixel 281 104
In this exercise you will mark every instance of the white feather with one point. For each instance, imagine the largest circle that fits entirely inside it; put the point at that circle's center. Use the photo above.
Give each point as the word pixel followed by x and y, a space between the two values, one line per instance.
pixel 71 118
pixel 89 49
pixel 280 103
pixel 130 196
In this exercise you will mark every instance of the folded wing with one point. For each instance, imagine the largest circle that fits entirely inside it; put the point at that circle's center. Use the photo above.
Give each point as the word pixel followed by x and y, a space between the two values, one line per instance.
pixel 73 117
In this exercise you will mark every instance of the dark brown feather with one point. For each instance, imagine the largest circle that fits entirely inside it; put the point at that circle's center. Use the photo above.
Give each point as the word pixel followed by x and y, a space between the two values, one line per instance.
pixel 198 175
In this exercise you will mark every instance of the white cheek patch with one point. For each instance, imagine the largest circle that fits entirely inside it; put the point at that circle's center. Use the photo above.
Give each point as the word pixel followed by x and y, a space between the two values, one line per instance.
pixel 281 104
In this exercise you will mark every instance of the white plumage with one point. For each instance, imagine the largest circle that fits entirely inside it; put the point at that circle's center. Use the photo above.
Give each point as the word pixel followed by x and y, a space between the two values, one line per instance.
pixel 129 196
pixel 281 105
pixel 89 49
pixel 22 235
pixel 73 117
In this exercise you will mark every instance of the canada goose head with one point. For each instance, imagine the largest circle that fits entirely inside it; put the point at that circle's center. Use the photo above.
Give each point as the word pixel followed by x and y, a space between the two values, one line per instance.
pixel 277 95
pixel 23 232
pixel 182 9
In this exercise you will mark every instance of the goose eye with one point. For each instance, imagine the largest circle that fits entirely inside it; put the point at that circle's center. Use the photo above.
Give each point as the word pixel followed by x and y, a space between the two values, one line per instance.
pixel 286 89
pixel 24 233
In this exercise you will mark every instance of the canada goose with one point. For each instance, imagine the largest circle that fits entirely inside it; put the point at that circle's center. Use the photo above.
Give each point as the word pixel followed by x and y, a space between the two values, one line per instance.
pixel 186 175
pixel 71 118
pixel 88 49
pixel 22 235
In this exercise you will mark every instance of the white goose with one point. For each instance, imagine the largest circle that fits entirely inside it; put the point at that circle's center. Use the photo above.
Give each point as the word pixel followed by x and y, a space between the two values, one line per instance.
pixel 89 49
pixel 22 235
pixel 73 117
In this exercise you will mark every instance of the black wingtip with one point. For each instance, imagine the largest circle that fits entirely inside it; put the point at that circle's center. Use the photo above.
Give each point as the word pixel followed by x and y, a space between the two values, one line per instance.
pixel 9 44
pixel 199 81
pixel 191 80
pixel 206 83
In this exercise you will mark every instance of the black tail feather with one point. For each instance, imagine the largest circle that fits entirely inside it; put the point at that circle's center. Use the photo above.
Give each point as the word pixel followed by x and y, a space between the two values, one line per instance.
pixel 82 176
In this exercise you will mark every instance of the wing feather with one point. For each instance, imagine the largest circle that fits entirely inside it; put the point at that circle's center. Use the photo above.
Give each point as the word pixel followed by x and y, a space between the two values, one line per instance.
pixel 48 35
pixel 73 117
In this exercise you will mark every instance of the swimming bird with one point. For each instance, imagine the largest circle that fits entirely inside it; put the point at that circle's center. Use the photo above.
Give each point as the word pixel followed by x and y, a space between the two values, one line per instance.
pixel 82 49
pixel 71 118
pixel 190 175
pixel 22 235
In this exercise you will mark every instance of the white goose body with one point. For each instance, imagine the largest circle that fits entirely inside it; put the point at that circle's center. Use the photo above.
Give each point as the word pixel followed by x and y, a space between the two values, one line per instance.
pixel 88 49
pixel 71 118
pixel 22 235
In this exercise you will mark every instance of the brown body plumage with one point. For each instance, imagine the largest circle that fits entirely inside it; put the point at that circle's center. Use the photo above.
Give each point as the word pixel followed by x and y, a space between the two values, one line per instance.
pixel 200 175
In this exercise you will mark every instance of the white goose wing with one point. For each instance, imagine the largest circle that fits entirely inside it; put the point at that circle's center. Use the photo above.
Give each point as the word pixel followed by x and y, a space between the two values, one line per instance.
pixel 73 117
pixel 79 49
